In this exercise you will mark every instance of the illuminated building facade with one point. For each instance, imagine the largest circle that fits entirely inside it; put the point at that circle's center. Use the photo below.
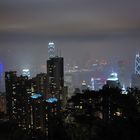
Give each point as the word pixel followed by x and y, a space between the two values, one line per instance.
pixel 136 77
pixel 55 73
pixel 51 50
pixel 26 72
pixel 113 80
pixel 10 84
pixel 137 64
pixel 38 113
pixel 40 83
pixel 18 91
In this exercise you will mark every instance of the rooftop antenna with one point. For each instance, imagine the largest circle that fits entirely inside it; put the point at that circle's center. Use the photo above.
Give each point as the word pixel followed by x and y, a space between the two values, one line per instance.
pixel 57 54
pixel 60 52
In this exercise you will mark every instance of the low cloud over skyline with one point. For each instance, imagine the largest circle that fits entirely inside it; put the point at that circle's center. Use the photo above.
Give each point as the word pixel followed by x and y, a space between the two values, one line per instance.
pixel 82 29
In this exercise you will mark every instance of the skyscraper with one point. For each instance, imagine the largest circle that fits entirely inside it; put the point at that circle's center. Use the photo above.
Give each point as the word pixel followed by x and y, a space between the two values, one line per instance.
pixel 55 71
pixel 113 80
pixel 51 50
pixel 26 72
pixel 137 64
pixel 136 77
pixel 122 72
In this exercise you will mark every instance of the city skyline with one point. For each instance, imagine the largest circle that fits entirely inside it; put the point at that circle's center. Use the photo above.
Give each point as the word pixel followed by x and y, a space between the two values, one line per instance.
pixel 82 30
pixel 69 69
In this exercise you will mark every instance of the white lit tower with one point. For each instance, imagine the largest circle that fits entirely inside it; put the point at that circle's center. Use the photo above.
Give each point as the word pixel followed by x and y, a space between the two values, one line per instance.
pixel 51 50
pixel 137 64
pixel 92 84
pixel 135 81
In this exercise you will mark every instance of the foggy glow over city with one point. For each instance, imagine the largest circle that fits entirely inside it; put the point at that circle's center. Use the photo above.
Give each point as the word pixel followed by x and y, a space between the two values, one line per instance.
pixel 69 69
pixel 83 30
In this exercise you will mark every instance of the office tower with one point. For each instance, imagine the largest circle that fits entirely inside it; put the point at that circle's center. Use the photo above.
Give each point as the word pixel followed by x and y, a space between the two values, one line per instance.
pixel 122 72
pixel 55 77
pixel 135 79
pixel 84 86
pixel 26 72
pixel 68 82
pixel 51 50
pixel 113 80
pixel 137 64
pixel 92 84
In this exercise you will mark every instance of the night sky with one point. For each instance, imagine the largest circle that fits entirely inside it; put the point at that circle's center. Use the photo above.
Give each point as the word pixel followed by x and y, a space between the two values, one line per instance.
pixel 83 29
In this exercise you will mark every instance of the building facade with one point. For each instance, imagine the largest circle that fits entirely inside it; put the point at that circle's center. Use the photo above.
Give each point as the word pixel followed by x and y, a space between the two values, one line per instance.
pixel 55 73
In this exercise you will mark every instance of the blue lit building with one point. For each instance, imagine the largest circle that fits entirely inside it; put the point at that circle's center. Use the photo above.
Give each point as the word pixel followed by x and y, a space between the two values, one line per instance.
pixel 38 113
pixel 52 109
pixel 1 78
pixel 1 68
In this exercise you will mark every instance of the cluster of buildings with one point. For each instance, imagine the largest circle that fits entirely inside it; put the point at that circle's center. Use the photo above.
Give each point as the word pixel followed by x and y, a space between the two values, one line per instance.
pixel 33 102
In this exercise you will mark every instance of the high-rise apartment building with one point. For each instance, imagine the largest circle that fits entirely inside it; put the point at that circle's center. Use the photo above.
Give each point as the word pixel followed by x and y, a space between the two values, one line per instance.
pixel 40 83
pixel 10 85
pixel 18 91
pixel 38 112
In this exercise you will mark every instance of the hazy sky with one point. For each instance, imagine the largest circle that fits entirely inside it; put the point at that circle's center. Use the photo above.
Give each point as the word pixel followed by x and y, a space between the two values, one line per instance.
pixel 82 29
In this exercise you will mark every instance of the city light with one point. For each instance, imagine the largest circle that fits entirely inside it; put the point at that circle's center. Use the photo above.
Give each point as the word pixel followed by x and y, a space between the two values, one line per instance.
pixel 113 77
pixel 35 96
pixel 51 100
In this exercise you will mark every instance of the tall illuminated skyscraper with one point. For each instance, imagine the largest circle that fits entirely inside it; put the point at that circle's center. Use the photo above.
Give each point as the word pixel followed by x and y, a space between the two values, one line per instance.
pixel 51 50
pixel 55 71
pixel 135 81
pixel 137 64
pixel 26 72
